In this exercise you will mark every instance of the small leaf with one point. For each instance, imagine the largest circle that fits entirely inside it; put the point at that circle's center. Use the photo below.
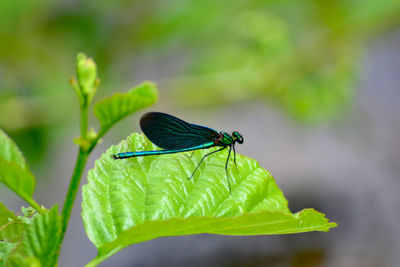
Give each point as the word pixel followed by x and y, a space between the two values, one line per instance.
pixel 39 241
pixel 18 260
pixel 5 250
pixel 138 199
pixel 10 152
pixel 112 109
pixel 14 172
pixel 10 227
pixel 29 211
pixel 10 233
pixel 19 180
pixel 27 216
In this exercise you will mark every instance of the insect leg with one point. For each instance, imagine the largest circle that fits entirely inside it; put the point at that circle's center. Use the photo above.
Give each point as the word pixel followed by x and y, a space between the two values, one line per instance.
pixel 226 169
pixel 192 154
pixel 234 156
pixel 206 155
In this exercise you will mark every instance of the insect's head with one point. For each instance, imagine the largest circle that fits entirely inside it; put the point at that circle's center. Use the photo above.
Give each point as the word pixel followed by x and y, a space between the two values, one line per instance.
pixel 237 137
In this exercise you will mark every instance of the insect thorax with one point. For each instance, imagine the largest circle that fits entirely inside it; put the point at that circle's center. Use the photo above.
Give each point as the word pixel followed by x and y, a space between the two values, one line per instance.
pixel 223 139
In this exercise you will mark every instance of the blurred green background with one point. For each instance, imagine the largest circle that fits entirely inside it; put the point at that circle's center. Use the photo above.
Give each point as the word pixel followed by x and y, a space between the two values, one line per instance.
pixel 301 58
pixel 297 55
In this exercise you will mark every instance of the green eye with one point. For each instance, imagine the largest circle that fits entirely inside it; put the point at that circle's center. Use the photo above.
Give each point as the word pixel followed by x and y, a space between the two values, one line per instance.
pixel 238 137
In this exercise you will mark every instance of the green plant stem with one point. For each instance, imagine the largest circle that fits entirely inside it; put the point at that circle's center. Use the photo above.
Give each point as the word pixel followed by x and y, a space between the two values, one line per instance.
pixel 71 194
pixel 86 145
pixel 81 160
pixel 84 120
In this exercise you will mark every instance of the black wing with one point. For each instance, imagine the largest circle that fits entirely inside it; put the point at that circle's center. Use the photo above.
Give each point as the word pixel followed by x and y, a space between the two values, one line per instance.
pixel 171 133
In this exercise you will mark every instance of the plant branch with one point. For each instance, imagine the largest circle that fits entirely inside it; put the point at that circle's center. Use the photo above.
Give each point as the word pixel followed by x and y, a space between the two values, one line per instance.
pixel 80 164
pixel 84 120
pixel 72 191
pixel 85 86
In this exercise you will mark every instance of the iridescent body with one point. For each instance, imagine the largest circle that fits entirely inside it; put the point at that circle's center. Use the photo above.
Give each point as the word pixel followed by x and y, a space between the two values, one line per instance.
pixel 174 135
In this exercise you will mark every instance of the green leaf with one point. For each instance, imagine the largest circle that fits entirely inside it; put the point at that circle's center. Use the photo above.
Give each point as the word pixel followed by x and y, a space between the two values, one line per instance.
pixel 19 180
pixel 10 152
pixel 39 241
pixel 14 172
pixel 27 212
pixel 138 199
pixel 5 250
pixel 18 260
pixel 10 227
pixel 11 230
pixel 112 109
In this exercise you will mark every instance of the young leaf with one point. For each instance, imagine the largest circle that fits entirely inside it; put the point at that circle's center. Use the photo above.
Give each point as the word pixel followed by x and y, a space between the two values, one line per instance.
pixel 19 180
pixel 14 172
pixel 5 250
pixel 10 233
pixel 10 228
pixel 19 260
pixel 112 109
pixel 138 199
pixel 10 152
pixel 39 241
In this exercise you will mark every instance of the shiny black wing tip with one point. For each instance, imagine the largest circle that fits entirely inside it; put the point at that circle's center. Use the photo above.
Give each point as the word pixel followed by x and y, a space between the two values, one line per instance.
pixel 151 115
